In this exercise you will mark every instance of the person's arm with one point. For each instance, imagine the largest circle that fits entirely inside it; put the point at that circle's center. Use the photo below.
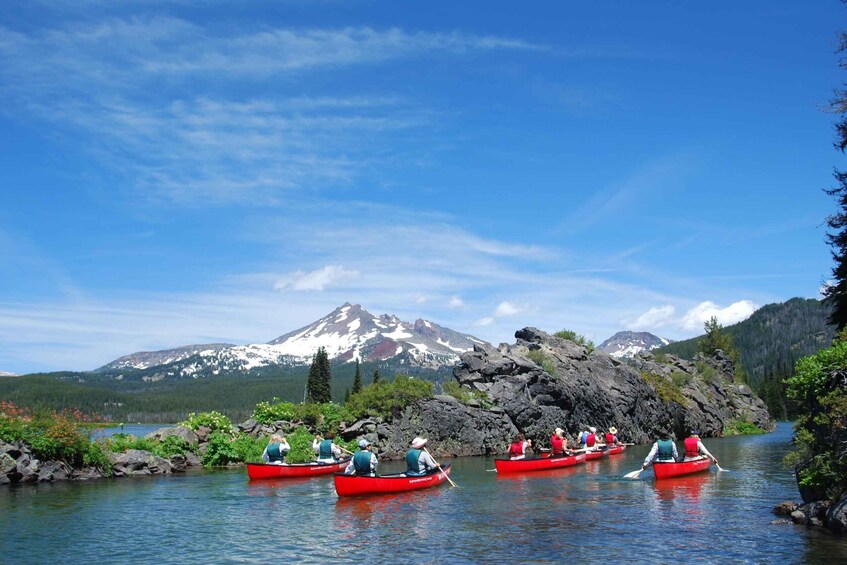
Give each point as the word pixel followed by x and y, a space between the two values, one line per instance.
pixel 428 462
pixel 374 463
pixel 316 445
pixel 283 446
pixel 702 449
pixel 654 451
pixel 336 451
pixel 675 452
pixel 265 457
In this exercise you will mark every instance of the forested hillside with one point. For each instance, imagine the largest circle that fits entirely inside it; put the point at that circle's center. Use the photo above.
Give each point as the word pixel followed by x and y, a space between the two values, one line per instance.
pixel 772 340
pixel 135 400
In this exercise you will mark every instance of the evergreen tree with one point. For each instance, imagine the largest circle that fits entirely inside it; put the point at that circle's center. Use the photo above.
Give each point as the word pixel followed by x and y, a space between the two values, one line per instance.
pixel 836 293
pixel 716 338
pixel 357 379
pixel 346 395
pixel 318 384
pixel 376 376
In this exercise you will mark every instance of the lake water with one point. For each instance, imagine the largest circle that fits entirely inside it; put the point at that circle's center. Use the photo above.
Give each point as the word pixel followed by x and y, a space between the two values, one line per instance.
pixel 585 513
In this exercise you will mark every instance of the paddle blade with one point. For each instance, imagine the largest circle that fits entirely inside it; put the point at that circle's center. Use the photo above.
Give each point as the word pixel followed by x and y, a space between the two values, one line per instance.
pixel 720 468
pixel 633 474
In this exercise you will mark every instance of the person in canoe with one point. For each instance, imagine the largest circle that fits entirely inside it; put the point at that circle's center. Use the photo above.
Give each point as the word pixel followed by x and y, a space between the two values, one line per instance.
pixel 612 437
pixel 663 450
pixel 364 461
pixel 558 443
pixel 326 449
pixel 694 448
pixel 276 450
pixel 519 446
pixel 591 439
pixel 418 461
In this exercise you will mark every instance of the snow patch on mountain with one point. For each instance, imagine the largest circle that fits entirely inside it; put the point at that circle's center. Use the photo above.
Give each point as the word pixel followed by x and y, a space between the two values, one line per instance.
pixel 626 344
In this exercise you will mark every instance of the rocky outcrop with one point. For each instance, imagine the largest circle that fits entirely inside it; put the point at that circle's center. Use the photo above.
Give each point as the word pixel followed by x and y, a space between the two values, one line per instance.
pixel 138 462
pixel 17 465
pixel 543 382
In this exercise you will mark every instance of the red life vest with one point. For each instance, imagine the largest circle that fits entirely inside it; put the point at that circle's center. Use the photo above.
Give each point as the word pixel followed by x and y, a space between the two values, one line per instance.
pixel 557 443
pixel 516 449
pixel 590 439
pixel 691 449
pixel 610 439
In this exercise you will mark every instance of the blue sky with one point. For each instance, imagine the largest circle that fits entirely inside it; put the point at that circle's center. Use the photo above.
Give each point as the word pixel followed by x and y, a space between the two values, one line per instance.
pixel 178 172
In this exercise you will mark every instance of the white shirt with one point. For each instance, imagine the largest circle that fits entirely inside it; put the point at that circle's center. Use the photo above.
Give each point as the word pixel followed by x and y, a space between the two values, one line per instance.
pixel 336 452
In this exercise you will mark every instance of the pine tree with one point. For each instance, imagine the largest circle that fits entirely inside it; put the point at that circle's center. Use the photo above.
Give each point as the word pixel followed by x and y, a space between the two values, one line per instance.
pixel 318 385
pixel 346 395
pixel 357 379
pixel 376 376
pixel 836 292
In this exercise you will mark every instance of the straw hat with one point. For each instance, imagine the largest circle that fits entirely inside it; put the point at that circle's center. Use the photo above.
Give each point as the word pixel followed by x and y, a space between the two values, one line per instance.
pixel 418 443
pixel 613 430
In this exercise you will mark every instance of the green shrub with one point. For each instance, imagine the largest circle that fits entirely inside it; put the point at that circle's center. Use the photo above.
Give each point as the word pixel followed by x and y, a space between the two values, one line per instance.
pixel 576 338
pixel 467 394
pixel 740 426
pixel 680 378
pixel 708 373
pixel 387 400
pixel 811 373
pixel 665 388
pixel 322 417
pixel 267 413
pixel 213 420
pixel 541 359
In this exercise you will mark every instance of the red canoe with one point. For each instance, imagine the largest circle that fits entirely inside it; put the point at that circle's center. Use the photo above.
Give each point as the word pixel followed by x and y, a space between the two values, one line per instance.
pixel 356 485
pixel 267 471
pixel 665 470
pixel 591 455
pixel 617 449
pixel 539 464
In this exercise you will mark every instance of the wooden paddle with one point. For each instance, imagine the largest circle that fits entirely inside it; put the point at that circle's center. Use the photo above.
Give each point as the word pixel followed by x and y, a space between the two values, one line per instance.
pixel 446 476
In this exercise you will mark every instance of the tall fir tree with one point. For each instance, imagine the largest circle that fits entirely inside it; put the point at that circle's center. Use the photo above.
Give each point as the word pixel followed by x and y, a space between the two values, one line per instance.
pixel 357 379
pixel 318 384
pixel 376 376
pixel 836 291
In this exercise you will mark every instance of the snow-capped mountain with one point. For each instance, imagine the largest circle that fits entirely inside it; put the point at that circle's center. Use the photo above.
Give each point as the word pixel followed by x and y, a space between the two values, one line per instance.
pixel 348 333
pixel 627 344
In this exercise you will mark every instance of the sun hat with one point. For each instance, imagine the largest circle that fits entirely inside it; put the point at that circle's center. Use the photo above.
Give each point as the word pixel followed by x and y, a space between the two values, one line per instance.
pixel 559 431
pixel 695 432
pixel 592 429
pixel 613 430
pixel 418 442
pixel 363 443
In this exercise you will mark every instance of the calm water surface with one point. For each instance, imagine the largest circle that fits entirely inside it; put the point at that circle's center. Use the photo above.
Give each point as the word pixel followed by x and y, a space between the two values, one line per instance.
pixel 586 513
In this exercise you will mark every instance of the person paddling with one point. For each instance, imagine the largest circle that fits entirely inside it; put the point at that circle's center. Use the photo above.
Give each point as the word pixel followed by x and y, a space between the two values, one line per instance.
pixel 694 448
pixel 612 437
pixel 663 450
pixel 591 439
pixel 558 443
pixel 276 450
pixel 418 461
pixel 326 449
pixel 518 448
pixel 364 461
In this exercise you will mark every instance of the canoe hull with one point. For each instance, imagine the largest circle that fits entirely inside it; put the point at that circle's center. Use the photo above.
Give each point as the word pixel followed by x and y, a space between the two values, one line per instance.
pixel 617 449
pixel 668 470
pixel 266 471
pixel 541 464
pixel 352 485
pixel 599 454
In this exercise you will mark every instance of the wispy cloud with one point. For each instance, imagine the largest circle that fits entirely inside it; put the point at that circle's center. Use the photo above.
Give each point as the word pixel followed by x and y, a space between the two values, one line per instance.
pixel 163 101
pixel 319 279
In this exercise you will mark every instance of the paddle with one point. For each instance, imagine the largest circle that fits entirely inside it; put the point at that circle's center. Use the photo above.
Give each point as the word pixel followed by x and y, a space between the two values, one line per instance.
pixel 446 476
pixel 633 474
pixel 718 466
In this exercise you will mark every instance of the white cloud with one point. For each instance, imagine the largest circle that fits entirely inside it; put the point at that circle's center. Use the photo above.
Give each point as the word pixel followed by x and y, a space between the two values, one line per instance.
pixel 330 275
pixel 655 317
pixel 507 309
pixel 455 302
pixel 482 322
pixel 735 312
pixel 420 299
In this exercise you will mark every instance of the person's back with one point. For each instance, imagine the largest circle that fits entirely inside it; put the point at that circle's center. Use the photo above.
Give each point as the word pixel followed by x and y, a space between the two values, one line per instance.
pixel 362 462
pixel 666 450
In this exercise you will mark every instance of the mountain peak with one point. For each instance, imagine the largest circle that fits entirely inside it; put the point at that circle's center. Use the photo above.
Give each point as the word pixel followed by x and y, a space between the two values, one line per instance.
pixel 627 344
